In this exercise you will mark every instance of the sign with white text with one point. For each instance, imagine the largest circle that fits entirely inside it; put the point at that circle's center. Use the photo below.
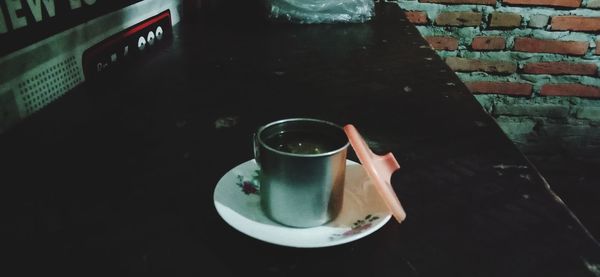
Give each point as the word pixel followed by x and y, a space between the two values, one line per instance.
pixel 24 22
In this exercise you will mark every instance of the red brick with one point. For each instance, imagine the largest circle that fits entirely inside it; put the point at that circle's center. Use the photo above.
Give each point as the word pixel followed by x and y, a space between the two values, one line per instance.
pixel 577 48
pixel 554 3
pixel 416 17
pixel 505 20
pixel 490 66
pixel 561 68
pixel 488 43
pixel 477 2
pixel 570 90
pixel 575 23
pixel 509 88
pixel 442 43
pixel 459 19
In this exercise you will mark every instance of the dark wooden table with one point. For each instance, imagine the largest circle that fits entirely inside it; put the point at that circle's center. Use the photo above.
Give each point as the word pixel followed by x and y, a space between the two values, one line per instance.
pixel 117 177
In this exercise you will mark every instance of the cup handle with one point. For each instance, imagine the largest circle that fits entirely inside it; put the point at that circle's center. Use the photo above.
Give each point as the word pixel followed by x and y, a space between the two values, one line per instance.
pixel 256 149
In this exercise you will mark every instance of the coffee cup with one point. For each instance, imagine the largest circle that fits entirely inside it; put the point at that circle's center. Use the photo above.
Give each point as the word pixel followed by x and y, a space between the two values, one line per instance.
pixel 302 163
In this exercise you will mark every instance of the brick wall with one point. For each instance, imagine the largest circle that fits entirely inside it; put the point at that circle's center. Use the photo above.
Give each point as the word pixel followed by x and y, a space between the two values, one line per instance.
pixel 533 64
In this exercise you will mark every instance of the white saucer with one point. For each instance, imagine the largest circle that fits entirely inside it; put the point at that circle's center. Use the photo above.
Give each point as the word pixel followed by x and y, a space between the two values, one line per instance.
pixel 237 200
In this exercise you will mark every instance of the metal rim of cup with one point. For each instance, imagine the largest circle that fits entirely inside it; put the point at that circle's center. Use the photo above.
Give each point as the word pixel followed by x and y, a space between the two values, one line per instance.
pixel 329 153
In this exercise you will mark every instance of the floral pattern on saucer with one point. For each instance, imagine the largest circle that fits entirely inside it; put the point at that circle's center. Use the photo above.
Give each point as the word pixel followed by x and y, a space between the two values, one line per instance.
pixel 250 186
pixel 358 227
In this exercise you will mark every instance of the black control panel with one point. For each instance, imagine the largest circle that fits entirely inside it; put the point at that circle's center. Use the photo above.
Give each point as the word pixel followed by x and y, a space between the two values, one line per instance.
pixel 127 45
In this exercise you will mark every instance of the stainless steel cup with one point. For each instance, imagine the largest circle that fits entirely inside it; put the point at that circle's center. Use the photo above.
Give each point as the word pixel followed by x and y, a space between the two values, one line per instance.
pixel 300 187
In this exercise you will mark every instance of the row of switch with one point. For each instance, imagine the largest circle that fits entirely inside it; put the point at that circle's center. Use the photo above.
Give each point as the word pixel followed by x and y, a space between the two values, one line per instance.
pixel 142 44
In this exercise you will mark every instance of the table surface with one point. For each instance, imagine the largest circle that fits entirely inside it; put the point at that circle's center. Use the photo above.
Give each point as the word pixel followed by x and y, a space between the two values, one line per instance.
pixel 117 177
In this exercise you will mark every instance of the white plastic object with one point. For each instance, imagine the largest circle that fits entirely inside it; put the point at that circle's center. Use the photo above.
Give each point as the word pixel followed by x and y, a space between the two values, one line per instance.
pixel 321 11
